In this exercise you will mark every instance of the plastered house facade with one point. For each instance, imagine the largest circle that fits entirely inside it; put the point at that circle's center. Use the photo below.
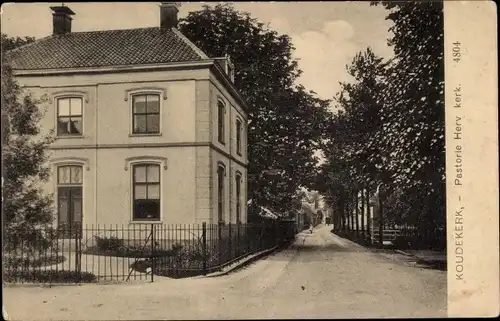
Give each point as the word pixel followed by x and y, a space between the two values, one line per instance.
pixel 148 128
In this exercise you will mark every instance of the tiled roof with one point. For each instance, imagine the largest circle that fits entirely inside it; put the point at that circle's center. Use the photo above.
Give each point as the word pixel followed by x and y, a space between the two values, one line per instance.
pixel 105 48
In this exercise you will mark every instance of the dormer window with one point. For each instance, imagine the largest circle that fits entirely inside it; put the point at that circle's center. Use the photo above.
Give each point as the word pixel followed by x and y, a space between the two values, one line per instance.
pixel 227 66
pixel 230 70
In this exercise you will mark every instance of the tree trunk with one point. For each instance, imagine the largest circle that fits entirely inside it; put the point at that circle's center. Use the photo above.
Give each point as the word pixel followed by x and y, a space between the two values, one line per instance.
pixel 356 212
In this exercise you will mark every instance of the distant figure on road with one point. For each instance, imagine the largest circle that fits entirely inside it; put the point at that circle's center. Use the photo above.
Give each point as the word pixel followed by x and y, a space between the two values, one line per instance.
pixel 310 228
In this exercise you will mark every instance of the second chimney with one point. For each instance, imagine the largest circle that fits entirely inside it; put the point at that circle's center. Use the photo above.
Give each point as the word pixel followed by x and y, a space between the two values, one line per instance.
pixel 168 15
pixel 61 20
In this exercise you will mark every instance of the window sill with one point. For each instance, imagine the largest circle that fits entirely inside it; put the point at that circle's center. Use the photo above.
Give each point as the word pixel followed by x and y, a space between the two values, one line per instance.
pixel 70 137
pixel 145 135
pixel 145 222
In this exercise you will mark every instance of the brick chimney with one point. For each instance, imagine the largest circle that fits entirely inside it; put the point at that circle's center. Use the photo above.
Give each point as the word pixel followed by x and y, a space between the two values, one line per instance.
pixel 61 20
pixel 168 15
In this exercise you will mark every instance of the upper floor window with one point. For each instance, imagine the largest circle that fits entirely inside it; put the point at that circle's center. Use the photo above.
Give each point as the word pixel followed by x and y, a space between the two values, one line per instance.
pixel 146 192
pixel 70 116
pixel 221 113
pixel 146 114
pixel 238 136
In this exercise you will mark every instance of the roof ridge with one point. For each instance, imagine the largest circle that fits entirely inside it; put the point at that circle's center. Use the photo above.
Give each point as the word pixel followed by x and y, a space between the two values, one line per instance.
pixel 108 30
pixel 200 52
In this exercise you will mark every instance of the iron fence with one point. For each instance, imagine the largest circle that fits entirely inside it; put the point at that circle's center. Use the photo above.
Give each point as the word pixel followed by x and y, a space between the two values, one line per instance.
pixel 137 252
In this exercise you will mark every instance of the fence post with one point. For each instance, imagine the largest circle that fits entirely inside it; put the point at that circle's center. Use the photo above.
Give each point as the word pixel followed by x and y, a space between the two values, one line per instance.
pixel 219 242
pixel 77 253
pixel 204 246
pixel 230 243
pixel 152 252
pixel 238 238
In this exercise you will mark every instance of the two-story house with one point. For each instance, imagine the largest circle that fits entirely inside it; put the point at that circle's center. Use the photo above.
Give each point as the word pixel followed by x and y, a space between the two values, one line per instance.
pixel 148 127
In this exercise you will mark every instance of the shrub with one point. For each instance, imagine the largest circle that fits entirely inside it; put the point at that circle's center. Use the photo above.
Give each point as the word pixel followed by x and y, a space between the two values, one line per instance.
pixel 49 276
pixel 111 243
pixel 30 262
pixel 403 242
pixel 181 261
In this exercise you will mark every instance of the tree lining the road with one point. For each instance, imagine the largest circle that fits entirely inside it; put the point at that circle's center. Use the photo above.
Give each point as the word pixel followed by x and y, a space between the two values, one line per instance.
pixel 390 128
pixel 286 122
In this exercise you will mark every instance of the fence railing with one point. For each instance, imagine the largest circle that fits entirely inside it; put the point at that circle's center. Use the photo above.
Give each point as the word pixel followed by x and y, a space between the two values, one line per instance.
pixel 137 252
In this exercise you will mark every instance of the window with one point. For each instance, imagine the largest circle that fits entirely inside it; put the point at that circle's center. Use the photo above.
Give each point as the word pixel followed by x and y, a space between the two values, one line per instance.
pixel 238 197
pixel 69 198
pixel 221 112
pixel 146 114
pixel 69 116
pixel 146 192
pixel 221 172
pixel 238 136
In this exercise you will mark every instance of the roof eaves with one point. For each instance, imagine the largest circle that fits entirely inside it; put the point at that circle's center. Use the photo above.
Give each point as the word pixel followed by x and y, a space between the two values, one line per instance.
pixel 116 68
pixel 190 44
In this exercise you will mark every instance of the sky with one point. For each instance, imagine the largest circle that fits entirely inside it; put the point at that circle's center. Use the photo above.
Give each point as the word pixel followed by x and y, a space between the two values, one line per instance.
pixel 326 35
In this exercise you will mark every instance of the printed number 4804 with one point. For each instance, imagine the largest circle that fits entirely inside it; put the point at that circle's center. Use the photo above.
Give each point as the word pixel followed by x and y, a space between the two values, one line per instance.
pixel 457 55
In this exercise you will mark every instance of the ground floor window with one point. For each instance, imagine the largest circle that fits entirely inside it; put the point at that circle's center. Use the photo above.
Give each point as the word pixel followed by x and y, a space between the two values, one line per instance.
pixel 69 198
pixel 146 192
pixel 238 198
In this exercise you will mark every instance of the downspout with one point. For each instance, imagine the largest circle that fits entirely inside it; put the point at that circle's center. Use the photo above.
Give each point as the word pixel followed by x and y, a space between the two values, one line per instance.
pixel 96 167
pixel 230 141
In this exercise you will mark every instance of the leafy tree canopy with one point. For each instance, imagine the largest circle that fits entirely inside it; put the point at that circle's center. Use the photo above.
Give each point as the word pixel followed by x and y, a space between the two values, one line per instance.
pixel 286 122
pixel 390 128
pixel 24 158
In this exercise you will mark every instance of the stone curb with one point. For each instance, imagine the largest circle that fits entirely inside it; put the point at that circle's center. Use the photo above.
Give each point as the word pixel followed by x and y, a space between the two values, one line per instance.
pixel 404 253
pixel 249 259
pixel 419 258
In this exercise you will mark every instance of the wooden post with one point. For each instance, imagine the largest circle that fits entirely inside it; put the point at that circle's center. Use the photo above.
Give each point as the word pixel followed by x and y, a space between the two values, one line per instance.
pixel 380 219
pixel 368 216
pixel 363 213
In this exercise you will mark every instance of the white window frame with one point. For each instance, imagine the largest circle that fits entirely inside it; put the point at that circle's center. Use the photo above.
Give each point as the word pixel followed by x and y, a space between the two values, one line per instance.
pixel 146 160
pixel 66 95
pixel 69 161
pixel 129 95
pixel 239 144
pixel 225 191
pixel 238 201
pixel 220 101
